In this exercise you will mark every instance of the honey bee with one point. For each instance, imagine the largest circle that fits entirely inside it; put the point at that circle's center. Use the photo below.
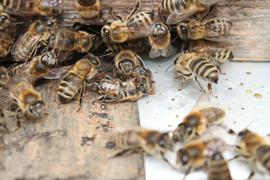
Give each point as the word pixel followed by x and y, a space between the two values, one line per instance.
pixel 218 168
pixel 138 46
pixel 150 142
pixel 125 62
pixel 132 27
pixel 31 7
pixel 181 10
pixel 115 90
pixel 38 67
pixel 196 65
pixel 69 40
pixel 7 34
pixel 26 47
pixel 88 8
pixel 255 149
pixel 160 40
pixel 209 29
pixel 195 154
pixel 74 80
pixel 197 122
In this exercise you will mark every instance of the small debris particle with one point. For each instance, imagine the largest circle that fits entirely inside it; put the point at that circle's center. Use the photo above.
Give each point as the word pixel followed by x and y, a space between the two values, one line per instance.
pixel 147 102
pixel 110 145
pixel 169 125
pixel 248 73
pixel 88 141
pixel 173 99
pixel 226 79
pixel 216 97
pixel 103 106
pixel 248 91
pixel 241 84
pixel 170 108
pixel 234 122
pixel 177 116
pixel 230 88
pixel 258 96
pixel 243 108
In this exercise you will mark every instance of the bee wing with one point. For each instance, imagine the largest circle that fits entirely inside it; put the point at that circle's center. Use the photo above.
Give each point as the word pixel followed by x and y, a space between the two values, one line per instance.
pixel 216 27
pixel 57 73
pixel 178 16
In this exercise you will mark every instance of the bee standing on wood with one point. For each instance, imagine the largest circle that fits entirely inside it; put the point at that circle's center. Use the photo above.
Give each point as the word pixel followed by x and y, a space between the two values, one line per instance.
pixel 73 82
pixel 181 10
pixel 38 33
pixel 134 26
pixel 88 8
pixel 29 100
pixel 209 29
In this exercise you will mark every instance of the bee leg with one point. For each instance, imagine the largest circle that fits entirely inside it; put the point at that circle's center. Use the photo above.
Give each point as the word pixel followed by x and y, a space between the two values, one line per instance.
pixel 105 98
pixel 167 161
pixel 199 84
pixel 187 173
pixel 81 97
pixel 126 152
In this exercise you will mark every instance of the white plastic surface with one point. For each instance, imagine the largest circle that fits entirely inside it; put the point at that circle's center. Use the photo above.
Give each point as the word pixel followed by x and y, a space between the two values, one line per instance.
pixel 235 93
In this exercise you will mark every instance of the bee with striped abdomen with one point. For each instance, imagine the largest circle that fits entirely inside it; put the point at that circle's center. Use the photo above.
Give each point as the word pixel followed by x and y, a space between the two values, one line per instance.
pixel 197 122
pixel 125 62
pixel 218 167
pixel 202 64
pixel 255 149
pixel 88 8
pixel 38 33
pixel 69 40
pixel 181 10
pixel 195 154
pixel 160 41
pixel 150 142
pixel 209 29
pixel 134 26
pixel 73 81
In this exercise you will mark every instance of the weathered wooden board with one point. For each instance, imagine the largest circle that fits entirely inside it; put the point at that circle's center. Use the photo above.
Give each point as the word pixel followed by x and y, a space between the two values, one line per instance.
pixel 250 35
pixel 69 144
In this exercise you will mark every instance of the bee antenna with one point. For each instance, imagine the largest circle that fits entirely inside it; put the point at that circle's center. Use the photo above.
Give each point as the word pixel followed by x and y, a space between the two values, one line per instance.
pixel 105 55
pixel 167 69
pixel 250 123
pixel 134 10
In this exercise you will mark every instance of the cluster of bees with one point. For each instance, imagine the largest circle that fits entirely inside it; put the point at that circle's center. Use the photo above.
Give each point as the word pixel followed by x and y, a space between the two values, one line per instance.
pixel 196 147
pixel 45 46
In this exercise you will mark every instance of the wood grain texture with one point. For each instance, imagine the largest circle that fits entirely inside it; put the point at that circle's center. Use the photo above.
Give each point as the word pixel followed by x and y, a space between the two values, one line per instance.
pixel 70 145
pixel 250 37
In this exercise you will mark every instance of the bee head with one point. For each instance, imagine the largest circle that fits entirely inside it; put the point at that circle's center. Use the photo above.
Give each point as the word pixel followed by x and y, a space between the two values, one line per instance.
pixel 36 109
pixel 105 33
pixel 94 60
pixel 126 66
pixel 182 29
pixel 183 132
pixel 4 76
pixel 242 134
pixel 49 59
pixel 4 21
pixel 166 141
pixel 183 158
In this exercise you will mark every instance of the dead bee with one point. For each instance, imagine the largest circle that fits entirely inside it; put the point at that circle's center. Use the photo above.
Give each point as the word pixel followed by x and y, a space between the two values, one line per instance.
pixel 115 90
pixel 69 40
pixel 138 46
pixel 125 62
pixel 160 41
pixel 7 34
pixel 151 142
pixel 135 26
pixel 88 8
pixel 196 123
pixel 73 83
pixel 38 67
pixel 194 155
pixel 200 64
pixel 255 149
pixel 218 168
pixel 209 29
pixel 180 10
pixel 26 46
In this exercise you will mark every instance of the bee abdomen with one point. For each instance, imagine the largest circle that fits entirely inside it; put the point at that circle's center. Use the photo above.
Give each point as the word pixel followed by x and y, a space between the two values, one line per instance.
pixel 223 55
pixel 218 168
pixel 171 5
pixel 221 26
pixel 142 19
pixel 67 91
pixel 204 68
pixel 263 154
pixel 18 6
